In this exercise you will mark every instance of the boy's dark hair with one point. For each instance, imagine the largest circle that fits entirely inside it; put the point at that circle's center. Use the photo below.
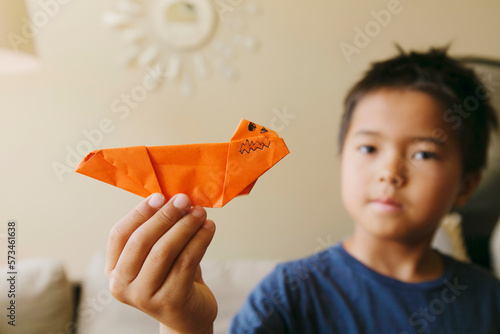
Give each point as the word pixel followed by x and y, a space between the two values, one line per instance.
pixel 456 87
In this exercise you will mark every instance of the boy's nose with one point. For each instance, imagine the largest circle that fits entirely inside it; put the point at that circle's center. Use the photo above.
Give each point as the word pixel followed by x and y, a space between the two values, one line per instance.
pixel 391 178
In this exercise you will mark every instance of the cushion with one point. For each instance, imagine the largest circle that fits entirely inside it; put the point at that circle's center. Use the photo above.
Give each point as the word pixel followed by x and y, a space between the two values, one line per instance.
pixel 99 312
pixel 230 281
pixel 448 238
pixel 44 298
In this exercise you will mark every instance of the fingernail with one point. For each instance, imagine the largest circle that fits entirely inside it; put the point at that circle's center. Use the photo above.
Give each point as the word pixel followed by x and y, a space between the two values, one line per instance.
pixel 198 212
pixel 181 201
pixel 156 201
pixel 209 225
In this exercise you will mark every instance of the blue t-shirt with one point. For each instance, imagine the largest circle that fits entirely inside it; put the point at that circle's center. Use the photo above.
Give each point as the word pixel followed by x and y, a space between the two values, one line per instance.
pixel 332 292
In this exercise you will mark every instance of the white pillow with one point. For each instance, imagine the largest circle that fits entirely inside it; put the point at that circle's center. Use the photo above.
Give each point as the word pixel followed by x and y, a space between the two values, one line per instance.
pixel 99 312
pixel 230 281
pixel 449 238
pixel 44 298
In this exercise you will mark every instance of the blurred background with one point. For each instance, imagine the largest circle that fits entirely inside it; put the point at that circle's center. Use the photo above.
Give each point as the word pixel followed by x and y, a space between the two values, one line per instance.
pixel 88 78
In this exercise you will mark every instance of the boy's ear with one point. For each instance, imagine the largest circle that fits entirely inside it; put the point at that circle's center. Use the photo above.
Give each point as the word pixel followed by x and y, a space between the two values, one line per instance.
pixel 469 185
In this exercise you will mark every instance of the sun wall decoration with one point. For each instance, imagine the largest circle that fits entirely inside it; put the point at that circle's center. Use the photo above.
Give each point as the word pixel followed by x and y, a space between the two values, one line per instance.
pixel 183 40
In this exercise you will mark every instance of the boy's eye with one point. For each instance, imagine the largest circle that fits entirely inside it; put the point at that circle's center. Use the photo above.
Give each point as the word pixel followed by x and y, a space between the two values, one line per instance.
pixel 366 149
pixel 424 155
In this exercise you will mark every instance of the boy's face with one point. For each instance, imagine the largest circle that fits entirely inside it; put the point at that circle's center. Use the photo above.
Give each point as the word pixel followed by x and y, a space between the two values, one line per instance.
pixel 401 166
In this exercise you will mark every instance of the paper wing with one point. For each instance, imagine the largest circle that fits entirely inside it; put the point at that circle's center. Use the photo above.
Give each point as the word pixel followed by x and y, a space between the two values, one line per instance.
pixel 129 168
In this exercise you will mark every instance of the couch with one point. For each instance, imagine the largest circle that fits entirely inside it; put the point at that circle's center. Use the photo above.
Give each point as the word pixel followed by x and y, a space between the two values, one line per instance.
pixel 48 303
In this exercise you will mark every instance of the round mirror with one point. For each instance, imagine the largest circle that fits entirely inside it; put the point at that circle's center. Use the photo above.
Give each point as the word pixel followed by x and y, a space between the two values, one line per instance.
pixel 184 24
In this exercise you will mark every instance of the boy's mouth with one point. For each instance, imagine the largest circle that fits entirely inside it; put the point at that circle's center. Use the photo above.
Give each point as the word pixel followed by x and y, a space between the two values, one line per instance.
pixel 386 204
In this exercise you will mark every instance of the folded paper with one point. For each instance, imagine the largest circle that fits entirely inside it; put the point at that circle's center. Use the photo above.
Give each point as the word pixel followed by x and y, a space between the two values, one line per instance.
pixel 210 174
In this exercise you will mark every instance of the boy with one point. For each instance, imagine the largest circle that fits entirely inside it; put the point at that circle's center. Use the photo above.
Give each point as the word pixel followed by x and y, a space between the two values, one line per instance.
pixel 409 154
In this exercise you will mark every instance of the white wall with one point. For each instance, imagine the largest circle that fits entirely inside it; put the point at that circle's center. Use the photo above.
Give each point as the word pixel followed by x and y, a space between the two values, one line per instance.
pixel 294 208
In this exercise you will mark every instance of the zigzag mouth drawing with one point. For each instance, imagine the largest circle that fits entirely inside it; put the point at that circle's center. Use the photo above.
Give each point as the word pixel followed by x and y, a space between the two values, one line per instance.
pixel 249 146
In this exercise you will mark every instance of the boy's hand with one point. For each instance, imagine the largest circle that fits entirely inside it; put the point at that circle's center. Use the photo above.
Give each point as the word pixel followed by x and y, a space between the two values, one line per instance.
pixel 152 263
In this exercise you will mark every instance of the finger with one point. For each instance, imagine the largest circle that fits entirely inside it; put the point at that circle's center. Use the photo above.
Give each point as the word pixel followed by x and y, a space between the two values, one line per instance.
pixel 145 236
pixel 188 262
pixel 122 230
pixel 171 245
pixel 186 266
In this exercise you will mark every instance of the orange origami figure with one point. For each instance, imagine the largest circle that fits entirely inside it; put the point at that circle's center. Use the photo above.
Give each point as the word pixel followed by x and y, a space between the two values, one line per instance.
pixel 210 174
